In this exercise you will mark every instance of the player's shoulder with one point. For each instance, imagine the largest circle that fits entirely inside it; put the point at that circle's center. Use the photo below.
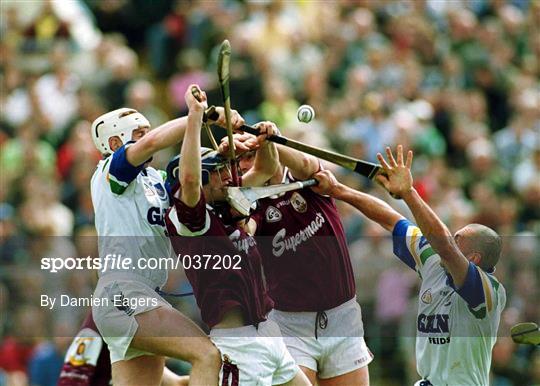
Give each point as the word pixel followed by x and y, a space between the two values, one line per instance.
pixel 103 165
pixel 489 279
pixel 489 297
pixel 101 171
pixel 498 287
pixel 409 240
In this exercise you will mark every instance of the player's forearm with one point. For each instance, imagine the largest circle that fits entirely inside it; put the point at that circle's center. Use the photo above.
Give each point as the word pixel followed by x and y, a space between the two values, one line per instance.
pixel 190 161
pixel 301 165
pixel 266 161
pixel 265 166
pixel 163 136
pixel 373 208
pixel 171 132
pixel 433 229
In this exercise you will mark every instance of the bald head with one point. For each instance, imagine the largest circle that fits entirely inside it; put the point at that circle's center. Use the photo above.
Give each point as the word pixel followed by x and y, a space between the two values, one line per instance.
pixel 481 240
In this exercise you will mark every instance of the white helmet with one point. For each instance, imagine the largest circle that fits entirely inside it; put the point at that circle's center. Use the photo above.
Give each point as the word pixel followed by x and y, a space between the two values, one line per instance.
pixel 120 123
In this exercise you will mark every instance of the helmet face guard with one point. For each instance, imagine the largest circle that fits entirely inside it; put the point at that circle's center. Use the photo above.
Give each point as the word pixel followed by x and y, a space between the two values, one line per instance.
pixel 117 123
pixel 211 161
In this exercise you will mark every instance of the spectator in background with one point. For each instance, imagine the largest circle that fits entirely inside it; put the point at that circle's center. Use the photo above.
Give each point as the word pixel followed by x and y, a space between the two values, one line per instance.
pixel 78 147
pixel 123 63
pixel 190 63
pixel 48 357
pixel 515 142
pixel 56 96
pixel 483 167
pixel 279 105
pixel 26 152
pixel 17 347
pixel 140 95
pixel 45 30
pixel 4 296
pixel 167 38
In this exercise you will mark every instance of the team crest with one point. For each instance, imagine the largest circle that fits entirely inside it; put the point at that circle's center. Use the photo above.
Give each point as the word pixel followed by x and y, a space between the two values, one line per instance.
pixel 273 214
pixel 160 191
pixel 84 349
pixel 298 203
pixel 426 296
pixel 78 358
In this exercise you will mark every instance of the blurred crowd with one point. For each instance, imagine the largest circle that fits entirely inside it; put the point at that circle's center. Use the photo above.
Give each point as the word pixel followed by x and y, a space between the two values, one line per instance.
pixel 457 81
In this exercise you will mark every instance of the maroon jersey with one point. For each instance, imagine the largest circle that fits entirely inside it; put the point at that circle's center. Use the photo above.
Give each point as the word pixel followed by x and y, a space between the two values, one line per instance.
pixel 87 360
pixel 305 256
pixel 219 283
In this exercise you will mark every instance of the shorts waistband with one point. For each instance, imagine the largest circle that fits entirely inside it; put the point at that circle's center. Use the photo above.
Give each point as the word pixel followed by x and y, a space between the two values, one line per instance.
pixel 128 276
pixel 234 332
pixel 328 312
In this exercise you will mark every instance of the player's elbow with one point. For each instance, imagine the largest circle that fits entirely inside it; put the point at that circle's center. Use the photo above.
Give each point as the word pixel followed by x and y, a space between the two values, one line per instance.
pixel 189 180
pixel 391 224
pixel 309 164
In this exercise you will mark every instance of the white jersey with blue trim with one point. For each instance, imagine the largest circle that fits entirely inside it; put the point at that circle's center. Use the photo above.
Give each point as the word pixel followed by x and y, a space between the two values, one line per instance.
pixel 130 204
pixel 456 327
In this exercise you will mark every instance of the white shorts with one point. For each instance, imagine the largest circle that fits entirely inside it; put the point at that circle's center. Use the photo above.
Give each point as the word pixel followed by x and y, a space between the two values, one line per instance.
pixel 339 347
pixel 122 296
pixel 253 356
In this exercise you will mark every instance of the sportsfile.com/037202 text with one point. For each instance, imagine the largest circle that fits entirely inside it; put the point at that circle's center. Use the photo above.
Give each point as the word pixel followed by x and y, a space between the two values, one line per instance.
pixel 118 262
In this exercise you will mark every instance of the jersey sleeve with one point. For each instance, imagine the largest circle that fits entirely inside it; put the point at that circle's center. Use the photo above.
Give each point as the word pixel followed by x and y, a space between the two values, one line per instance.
pixel 480 292
pixel 189 221
pixel 121 172
pixel 410 246
pixel 81 359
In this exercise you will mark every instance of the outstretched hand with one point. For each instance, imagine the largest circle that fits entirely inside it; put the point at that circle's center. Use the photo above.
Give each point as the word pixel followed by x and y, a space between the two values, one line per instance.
pixel 396 176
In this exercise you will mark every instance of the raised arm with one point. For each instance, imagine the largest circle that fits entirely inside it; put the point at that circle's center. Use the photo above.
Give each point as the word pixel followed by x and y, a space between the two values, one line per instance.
pixel 190 161
pixel 266 161
pixel 301 165
pixel 163 136
pixel 168 134
pixel 397 179
pixel 373 208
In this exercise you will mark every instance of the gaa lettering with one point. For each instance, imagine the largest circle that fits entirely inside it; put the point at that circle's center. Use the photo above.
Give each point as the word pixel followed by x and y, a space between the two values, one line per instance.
pixel 155 216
